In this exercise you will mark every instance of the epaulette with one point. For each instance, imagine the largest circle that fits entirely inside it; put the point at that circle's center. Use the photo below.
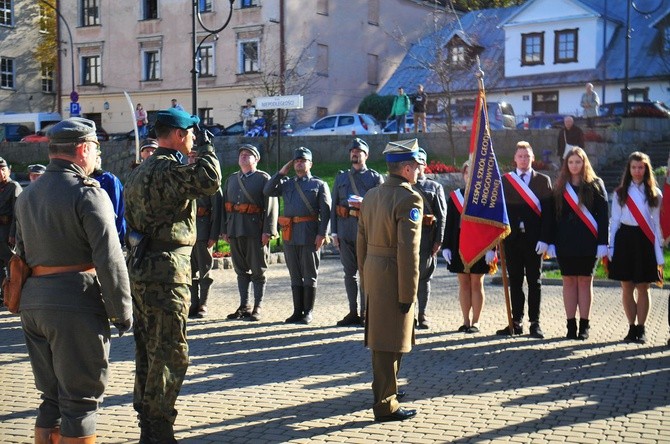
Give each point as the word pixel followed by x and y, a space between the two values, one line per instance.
pixel 89 181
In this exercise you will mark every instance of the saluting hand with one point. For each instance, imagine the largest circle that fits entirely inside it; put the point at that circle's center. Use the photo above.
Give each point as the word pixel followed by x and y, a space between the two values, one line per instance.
pixel 286 168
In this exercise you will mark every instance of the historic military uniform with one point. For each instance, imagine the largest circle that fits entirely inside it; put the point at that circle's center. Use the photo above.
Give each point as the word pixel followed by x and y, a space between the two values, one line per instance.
pixel 344 225
pixel 432 232
pixel 389 234
pixel 79 282
pixel 307 210
pixel 208 227
pixel 247 215
pixel 9 191
pixel 160 199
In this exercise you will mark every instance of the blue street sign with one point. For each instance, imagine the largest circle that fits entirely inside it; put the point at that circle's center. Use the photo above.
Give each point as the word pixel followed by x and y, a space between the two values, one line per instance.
pixel 75 109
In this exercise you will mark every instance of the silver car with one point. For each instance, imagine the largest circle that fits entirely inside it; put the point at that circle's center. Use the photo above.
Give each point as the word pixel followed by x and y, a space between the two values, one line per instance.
pixel 342 125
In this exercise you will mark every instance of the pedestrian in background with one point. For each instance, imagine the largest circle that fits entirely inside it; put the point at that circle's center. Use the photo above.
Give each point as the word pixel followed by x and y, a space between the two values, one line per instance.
pixel 160 199
pixel 142 121
pixel 349 190
pixel 249 223
pixel 176 105
pixel 304 226
pixel 432 232
pixel 399 110
pixel 582 223
pixel 248 115
pixel 114 189
pixel 470 283
pixel 419 102
pixel 35 171
pixel 590 103
pixel 389 236
pixel 569 137
pixel 635 241
pixel 9 191
pixel 79 283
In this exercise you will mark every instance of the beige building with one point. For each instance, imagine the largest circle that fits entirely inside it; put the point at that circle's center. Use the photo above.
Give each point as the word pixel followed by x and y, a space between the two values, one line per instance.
pixel 333 52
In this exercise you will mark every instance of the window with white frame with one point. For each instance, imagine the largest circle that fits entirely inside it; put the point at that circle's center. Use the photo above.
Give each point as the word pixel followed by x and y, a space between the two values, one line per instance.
pixel 6 18
pixel 532 48
pixel 205 5
pixel 322 60
pixel 47 71
pixel 249 56
pixel 565 46
pixel 457 54
pixel 151 64
pixel 206 61
pixel 149 9
pixel 89 12
pixel 91 70
pixel 6 73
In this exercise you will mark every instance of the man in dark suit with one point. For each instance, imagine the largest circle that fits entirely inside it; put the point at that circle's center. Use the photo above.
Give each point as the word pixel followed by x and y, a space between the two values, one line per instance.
pixel 530 208
pixel 570 135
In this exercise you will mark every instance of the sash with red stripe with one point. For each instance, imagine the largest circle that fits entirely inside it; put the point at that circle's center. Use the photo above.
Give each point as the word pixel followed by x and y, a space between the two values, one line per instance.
pixel 579 209
pixel 635 204
pixel 457 198
pixel 525 192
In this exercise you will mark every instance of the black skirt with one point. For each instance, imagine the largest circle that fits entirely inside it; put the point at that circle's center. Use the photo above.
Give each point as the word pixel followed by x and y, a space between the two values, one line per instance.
pixel 577 265
pixel 634 257
pixel 456 265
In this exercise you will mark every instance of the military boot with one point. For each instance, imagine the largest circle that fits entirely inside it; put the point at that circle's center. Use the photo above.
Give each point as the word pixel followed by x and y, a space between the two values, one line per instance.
pixel 205 284
pixel 195 299
pixel 308 300
pixel 584 328
pixel 572 329
pixel 259 292
pixel 296 291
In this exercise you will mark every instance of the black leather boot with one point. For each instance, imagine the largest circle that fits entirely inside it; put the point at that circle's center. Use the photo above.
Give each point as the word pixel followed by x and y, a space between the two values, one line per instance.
pixel 297 292
pixel 632 334
pixel 195 299
pixel 583 329
pixel 309 296
pixel 572 329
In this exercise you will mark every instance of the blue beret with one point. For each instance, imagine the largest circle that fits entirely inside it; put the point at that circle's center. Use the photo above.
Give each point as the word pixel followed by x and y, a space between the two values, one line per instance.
pixel 72 130
pixel 302 153
pixel 177 118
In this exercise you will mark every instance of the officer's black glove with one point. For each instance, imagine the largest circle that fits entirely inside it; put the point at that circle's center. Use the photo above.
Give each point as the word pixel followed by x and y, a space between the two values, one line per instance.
pixel 404 308
pixel 123 326
pixel 203 137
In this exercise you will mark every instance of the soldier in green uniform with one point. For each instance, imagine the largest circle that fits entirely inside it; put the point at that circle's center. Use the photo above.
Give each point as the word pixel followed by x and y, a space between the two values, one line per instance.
pixel 9 191
pixel 349 188
pixel 389 234
pixel 208 228
pixel 306 218
pixel 79 283
pixel 160 199
pixel 249 222
pixel 432 232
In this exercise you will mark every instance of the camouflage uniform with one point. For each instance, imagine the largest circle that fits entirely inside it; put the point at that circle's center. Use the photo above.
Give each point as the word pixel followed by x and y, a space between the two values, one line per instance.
pixel 9 191
pixel 432 232
pixel 160 203
pixel 208 227
pixel 245 230
pixel 346 227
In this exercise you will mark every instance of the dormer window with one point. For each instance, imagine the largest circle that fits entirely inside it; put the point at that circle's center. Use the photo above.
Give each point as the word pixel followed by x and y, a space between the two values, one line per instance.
pixel 532 49
pixel 565 46
pixel 458 53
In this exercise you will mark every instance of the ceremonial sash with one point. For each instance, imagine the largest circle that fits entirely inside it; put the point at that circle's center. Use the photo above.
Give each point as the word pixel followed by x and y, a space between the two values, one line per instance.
pixel 635 204
pixel 525 192
pixel 581 211
pixel 457 198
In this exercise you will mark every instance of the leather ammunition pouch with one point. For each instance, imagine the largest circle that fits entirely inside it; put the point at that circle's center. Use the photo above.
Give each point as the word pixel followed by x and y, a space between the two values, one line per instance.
pixel 345 212
pixel 428 220
pixel 203 211
pixel 286 224
pixel 18 273
pixel 243 208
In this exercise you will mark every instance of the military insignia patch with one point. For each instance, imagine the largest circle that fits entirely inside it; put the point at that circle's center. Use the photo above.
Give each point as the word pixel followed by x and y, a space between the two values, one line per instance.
pixel 414 215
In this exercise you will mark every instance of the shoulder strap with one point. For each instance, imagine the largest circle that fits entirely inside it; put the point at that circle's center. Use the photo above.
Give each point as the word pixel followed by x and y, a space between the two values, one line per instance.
pixel 353 184
pixel 304 198
pixel 245 191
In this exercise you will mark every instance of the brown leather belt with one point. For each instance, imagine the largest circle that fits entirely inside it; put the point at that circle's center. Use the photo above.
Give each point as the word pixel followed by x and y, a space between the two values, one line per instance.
pixel 243 208
pixel 345 212
pixel 299 219
pixel 43 270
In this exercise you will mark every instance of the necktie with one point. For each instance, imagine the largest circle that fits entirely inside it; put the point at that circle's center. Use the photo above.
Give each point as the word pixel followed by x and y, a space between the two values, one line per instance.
pixel 523 178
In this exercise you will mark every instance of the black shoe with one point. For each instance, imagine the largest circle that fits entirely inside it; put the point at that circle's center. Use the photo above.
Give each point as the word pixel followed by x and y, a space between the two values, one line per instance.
pixel 401 394
pixel 584 329
pixel 295 318
pixel 536 331
pixel 632 334
pixel 518 330
pixel 572 329
pixel 202 312
pixel 422 322
pixel 243 311
pixel 473 329
pixel 399 415
pixel 641 336
pixel 351 318
pixel 463 328
pixel 256 314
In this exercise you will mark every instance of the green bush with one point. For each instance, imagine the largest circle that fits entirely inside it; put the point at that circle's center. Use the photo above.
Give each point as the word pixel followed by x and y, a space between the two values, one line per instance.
pixel 377 106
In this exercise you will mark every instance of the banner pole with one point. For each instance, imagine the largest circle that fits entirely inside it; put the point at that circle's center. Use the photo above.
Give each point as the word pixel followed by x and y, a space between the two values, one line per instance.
pixel 503 270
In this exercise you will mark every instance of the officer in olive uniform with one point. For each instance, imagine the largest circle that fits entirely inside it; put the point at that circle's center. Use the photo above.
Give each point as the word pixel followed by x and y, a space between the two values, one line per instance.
pixel 432 232
pixel 304 227
pixel 161 198
pixel 249 222
pixel 389 234
pixel 79 283
pixel 208 228
pixel 349 189
pixel 9 191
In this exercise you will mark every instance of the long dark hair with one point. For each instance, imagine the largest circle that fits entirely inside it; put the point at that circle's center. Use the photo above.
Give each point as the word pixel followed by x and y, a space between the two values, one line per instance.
pixel 589 180
pixel 650 191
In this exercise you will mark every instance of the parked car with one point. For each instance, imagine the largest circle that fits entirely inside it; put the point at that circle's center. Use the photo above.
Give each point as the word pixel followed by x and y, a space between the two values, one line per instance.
pixel 41 136
pixel 236 129
pixel 542 121
pixel 635 109
pixel 13 132
pixel 286 129
pixel 342 124
pixel 501 116
pixel 391 125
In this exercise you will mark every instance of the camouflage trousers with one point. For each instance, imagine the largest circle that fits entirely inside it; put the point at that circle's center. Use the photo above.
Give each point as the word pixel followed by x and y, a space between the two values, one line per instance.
pixel 160 311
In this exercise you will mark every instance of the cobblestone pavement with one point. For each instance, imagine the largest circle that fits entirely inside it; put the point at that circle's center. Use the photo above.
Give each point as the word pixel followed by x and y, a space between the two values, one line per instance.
pixel 270 382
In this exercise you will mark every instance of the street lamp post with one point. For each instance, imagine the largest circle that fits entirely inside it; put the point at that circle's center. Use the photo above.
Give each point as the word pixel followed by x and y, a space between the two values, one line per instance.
pixel 196 48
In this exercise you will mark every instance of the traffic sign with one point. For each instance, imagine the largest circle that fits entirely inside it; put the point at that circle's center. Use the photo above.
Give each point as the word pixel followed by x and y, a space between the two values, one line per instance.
pixel 74 96
pixel 75 109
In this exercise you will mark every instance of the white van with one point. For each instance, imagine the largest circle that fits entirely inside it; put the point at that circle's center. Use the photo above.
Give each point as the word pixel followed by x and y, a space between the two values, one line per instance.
pixel 34 121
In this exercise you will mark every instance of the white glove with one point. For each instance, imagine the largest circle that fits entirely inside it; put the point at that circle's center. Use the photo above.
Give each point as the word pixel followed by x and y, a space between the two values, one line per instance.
pixel 610 253
pixel 551 250
pixel 541 248
pixel 490 256
pixel 601 252
pixel 446 254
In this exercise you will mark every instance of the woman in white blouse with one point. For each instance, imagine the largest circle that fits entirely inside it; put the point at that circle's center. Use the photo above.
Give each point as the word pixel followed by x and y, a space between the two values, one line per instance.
pixel 635 241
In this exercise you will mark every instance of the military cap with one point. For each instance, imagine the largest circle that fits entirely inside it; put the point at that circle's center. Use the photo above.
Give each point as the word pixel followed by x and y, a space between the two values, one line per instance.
pixel 360 144
pixel 177 118
pixel 72 130
pixel 252 149
pixel 148 143
pixel 403 150
pixel 302 153
pixel 37 168
pixel 3 163
pixel 423 156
